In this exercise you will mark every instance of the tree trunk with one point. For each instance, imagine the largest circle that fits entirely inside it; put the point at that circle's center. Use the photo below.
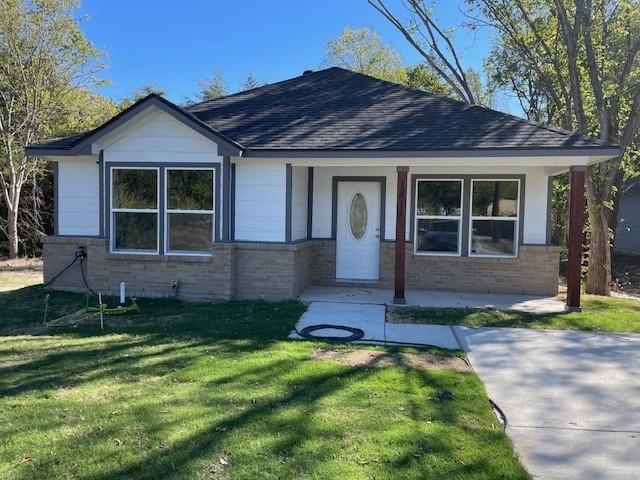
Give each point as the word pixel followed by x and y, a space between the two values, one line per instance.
pixel 12 231
pixel 599 270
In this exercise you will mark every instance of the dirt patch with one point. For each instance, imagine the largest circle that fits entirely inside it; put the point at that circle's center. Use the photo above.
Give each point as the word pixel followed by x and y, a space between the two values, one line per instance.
pixel 625 273
pixel 21 265
pixel 377 358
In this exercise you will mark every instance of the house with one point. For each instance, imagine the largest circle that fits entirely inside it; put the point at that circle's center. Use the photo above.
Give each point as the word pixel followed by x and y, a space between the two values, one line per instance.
pixel 332 178
pixel 628 231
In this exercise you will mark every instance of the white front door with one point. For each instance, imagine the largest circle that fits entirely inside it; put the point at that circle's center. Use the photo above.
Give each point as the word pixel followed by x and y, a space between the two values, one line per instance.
pixel 358 230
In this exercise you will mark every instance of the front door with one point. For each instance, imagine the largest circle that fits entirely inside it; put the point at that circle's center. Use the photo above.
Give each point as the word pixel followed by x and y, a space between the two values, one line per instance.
pixel 358 230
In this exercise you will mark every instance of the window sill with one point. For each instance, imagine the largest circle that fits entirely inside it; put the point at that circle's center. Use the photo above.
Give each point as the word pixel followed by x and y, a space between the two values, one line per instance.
pixel 142 257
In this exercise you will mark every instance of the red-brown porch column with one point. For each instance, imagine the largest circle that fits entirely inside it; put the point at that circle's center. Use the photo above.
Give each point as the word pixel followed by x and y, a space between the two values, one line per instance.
pixel 401 225
pixel 576 222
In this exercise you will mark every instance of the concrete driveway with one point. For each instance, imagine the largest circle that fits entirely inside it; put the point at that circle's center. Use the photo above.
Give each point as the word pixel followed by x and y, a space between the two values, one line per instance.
pixel 572 399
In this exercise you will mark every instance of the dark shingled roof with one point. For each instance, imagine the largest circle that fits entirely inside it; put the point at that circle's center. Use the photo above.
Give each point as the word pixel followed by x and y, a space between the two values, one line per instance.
pixel 336 109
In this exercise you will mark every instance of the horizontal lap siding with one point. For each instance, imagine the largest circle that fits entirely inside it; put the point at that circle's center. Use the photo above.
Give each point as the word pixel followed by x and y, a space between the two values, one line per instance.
pixel 159 138
pixel 536 194
pixel 78 197
pixel 260 191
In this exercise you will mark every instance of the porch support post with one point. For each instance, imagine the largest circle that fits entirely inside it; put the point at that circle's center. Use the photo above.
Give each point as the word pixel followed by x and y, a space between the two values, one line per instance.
pixel 576 222
pixel 401 225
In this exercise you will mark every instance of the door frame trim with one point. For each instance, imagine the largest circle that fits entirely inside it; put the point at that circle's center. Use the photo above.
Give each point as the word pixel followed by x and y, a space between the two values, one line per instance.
pixel 334 201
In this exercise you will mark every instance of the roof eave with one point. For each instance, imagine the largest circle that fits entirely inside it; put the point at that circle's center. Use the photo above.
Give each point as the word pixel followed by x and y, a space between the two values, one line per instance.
pixel 83 146
pixel 598 153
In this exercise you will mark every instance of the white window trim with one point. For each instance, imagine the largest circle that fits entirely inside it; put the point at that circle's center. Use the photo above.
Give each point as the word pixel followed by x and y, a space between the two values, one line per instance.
pixel 432 217
pixel 516 220
pixel 167 211
pixel 112 211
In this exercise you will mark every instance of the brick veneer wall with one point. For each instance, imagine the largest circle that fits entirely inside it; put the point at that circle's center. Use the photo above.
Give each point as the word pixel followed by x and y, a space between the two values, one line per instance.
pixel 271 271
pixel 237 270
pixel 265 270
pixel 534 272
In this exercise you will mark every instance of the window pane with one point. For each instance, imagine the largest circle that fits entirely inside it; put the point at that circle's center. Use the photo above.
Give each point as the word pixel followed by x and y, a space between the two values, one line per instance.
pixel 358 216
pixel 437 235
pixel 190 189
pixel 135 231
pixel 190 232
pixel 135 188
pixel 495 199
pixel 493 237
pixel 439 198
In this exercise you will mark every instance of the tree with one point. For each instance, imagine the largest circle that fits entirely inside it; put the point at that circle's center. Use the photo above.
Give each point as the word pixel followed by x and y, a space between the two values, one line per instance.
pixel 570 63
pixel 250 82
pixel 583 59
pixel 84 110
pixel 139 94
pixel 422 77
pixel 212 88
pixel 44 58
pixel 363 50
pixel 434 44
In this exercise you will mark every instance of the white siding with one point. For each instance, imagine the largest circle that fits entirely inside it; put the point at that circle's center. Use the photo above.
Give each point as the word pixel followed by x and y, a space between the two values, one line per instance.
pixel 299 184
pixel 322 196
pixel 535 207
pixel 161 138
pixel 78 197
pixel 157 137
pixel 535 214
pixel 260 200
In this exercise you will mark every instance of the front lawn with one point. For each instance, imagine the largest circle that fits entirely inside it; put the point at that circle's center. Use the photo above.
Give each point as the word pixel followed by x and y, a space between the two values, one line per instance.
pixel 209 391
pixel 599 314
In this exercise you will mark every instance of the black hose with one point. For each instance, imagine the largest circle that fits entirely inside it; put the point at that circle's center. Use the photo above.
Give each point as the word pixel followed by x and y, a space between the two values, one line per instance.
pixel 306 332
pixel 84 278
pixel 60 272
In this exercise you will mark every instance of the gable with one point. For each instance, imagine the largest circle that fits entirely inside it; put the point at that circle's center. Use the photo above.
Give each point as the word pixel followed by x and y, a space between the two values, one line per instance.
pixel 156 131
pixel 87 143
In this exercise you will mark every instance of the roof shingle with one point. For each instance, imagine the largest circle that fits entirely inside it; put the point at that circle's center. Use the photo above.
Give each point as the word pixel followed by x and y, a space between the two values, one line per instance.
pixel 336 109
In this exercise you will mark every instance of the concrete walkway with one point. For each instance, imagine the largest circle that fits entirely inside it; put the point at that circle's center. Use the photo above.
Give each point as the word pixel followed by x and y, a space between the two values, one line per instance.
pixel 370 318
pixel 572 399
pixel 435 299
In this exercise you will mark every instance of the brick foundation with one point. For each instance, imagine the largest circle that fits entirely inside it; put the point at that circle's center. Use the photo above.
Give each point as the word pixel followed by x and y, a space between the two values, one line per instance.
pixel 240 270
pixel 534 272
pixel 273 271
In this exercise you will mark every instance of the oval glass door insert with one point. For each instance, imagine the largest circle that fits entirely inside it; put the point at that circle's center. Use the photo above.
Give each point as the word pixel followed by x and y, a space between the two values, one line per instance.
pixel 358 216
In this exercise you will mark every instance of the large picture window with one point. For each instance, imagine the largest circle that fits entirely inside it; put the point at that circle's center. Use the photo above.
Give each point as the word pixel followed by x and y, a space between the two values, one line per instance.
pixel 162 210
pixel 495 206
pixel 438 217
pixel 134 209
pixel 189 222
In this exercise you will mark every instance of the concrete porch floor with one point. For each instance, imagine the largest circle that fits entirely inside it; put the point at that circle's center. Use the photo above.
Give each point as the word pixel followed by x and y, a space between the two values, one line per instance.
pixel 435 299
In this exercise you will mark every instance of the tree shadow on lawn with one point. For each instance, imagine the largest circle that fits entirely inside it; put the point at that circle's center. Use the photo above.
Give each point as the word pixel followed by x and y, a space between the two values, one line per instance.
pixel 219 381
pixel 297 435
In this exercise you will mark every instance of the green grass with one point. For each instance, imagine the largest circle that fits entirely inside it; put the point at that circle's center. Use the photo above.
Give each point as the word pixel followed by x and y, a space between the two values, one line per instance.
pixel 10 281
pixel 599 314
pixel 208 391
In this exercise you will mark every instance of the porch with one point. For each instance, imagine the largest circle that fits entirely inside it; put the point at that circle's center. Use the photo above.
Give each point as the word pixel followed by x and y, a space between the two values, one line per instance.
pixel 434 299
pixel 364 226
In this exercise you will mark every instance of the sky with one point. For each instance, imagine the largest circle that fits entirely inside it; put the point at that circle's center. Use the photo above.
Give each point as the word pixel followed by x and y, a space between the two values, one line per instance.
pixel 175 44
